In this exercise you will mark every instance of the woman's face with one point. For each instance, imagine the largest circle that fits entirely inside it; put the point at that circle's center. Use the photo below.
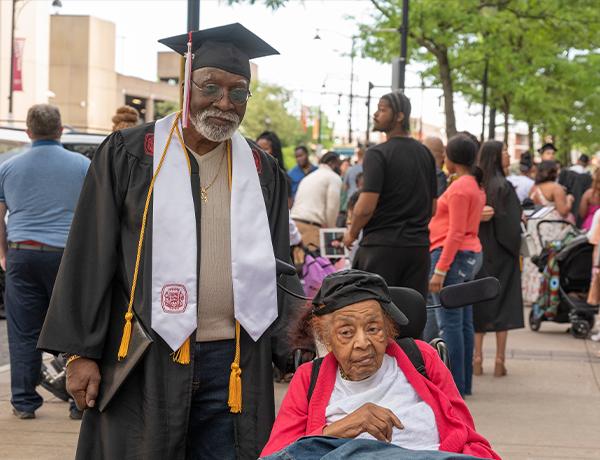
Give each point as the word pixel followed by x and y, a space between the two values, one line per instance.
pixel 266 145
pixel 505 159
pixel 357 337
pixel 450 165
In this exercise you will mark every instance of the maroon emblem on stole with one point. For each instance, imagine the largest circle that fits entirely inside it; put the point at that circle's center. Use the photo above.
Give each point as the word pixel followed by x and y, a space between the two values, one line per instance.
pixel 174 298
pixel 149 144
pixel 257 161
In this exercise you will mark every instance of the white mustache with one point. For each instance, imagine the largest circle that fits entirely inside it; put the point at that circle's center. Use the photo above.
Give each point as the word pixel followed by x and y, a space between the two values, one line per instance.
pixel 214 112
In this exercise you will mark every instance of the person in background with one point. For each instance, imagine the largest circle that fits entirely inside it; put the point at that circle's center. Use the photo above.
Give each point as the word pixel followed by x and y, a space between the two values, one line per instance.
pixel 547 152
pixel 126 117
pixel 456 252
pixel 590 202
pixel 545 192
pixel 501 241
pixel 583 163
pixel 302 169
pixel 39 189
pixel 397 201
pixel 270 143
pixel 437 149
pixel 317 200
pixel 350 186
pixel 523 182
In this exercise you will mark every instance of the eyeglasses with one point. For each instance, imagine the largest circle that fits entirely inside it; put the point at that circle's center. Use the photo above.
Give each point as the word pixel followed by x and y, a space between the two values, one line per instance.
pixel 214 93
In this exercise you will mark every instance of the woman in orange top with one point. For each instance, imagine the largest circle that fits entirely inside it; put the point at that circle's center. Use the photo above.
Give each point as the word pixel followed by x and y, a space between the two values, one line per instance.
pixel 456 252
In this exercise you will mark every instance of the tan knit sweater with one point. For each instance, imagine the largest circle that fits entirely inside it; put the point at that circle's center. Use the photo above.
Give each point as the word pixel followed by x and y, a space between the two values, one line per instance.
pixel 215 287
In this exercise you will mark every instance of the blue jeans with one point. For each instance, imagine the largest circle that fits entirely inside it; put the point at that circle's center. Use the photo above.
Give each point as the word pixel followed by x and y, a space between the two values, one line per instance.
pixel 456 324
pixel 328 448
pixel 30 277
pixel 210 430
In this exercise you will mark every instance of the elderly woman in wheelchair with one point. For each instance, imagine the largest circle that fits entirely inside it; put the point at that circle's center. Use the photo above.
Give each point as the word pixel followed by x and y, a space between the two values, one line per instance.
pixel 366 398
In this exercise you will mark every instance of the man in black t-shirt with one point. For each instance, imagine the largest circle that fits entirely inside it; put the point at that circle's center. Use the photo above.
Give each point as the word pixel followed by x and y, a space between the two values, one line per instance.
pixel 397 201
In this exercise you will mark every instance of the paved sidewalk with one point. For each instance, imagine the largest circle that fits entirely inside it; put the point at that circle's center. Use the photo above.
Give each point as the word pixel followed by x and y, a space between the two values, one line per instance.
pixel 547 407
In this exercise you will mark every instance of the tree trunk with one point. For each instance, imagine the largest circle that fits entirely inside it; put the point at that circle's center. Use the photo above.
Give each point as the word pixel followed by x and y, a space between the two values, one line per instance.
pixel 446 79
pixel 530 136
pixel 506 113
pixel 492 124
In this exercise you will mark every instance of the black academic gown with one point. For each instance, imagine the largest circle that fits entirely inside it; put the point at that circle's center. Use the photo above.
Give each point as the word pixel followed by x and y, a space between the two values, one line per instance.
pixel 501 241
pixel 148 417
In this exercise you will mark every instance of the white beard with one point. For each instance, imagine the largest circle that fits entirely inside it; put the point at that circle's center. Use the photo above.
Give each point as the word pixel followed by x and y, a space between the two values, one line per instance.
pixel 213 132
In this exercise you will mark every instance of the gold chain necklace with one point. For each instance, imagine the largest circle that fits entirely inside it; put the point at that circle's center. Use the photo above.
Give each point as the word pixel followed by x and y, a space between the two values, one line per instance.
pixel 204 190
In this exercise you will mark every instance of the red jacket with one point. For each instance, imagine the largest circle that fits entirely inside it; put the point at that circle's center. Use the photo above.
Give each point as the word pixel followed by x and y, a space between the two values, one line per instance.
pixel 297 417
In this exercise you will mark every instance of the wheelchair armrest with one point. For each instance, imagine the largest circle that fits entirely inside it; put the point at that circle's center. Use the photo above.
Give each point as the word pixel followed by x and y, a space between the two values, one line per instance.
pixel 442 350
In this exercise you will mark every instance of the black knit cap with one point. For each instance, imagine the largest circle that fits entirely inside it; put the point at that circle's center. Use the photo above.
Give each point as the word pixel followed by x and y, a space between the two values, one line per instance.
pixel 352 286
pixel 227 48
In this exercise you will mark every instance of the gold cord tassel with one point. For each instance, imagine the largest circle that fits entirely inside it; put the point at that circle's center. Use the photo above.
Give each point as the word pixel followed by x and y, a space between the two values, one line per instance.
pixel 235 378
pixel 182 355
pixel 126 338
pixel 124 347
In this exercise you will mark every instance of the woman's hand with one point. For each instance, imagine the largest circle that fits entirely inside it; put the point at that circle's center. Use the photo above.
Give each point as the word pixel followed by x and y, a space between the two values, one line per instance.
pixel 487 213
pixel 349 239
pixel 435 283
pixel 369 418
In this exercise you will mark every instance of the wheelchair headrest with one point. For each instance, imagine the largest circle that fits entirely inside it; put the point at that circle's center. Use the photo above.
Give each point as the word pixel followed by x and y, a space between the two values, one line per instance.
pixel 412 304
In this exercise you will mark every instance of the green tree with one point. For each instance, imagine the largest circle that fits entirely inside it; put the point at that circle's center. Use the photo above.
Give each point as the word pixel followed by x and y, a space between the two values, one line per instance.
pixel 528 46
pixel 267 110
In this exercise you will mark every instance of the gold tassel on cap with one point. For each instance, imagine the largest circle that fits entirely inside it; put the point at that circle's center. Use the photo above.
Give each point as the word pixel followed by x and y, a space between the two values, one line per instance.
pixel 126 338
pixel 235 378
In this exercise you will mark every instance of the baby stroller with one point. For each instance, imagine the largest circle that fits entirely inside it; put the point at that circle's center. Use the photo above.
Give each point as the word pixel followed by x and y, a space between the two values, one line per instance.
pixel 566 266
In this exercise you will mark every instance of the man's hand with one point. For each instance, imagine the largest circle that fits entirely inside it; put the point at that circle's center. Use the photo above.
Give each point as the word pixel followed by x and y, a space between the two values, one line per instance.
pixel 348 239
pixel 3 263
pixel 487 214
pixel 369 418
pixel 83 382
pixel 435 283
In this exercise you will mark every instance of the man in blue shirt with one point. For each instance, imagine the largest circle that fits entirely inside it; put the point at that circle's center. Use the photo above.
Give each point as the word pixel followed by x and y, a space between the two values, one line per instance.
pixel 303 168
pixel 39 189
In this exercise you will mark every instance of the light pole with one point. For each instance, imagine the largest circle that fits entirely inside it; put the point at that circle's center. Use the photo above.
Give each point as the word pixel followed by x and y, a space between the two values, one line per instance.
pixel 193 15
pixel 403 46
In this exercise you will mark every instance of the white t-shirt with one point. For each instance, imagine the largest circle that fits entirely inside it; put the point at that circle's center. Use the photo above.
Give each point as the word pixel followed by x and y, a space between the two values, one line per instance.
pixel 388 388
pixel 522 185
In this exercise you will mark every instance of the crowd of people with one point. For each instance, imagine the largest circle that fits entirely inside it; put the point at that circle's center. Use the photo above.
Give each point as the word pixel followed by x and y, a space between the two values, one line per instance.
pixel 169 303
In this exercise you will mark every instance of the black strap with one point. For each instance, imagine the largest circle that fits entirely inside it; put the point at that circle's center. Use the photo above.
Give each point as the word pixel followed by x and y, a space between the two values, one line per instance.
pixel 409 346
pixel 314 373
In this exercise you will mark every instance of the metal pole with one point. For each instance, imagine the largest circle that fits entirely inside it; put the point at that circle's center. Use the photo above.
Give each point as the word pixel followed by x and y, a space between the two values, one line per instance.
pixel 351 91
pixel 12 59
pixel 484 98
pixel 403 45
pixel 193 15
pixel 369 113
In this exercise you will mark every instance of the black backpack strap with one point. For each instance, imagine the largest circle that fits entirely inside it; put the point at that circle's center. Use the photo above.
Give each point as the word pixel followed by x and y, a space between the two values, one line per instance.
pixel 314 373
pixel 409 346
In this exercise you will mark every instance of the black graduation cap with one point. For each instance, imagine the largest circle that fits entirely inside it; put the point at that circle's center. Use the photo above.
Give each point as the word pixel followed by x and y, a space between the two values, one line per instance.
pixel 228 48
pixel 348 287
pixel 547 146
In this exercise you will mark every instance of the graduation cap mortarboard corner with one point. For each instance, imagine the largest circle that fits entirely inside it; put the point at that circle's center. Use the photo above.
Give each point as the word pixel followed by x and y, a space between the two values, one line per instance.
pixel 547 146
pixel 228 48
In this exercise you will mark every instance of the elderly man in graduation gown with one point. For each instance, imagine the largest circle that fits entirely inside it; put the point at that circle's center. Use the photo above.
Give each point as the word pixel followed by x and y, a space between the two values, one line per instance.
pixel 167 292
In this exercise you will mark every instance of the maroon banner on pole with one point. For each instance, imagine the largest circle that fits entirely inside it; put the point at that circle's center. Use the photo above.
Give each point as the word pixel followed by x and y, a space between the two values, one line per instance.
pixel 18 46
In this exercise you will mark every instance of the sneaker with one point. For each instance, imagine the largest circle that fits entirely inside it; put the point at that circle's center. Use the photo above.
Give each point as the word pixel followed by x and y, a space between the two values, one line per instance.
pixel 595 337
pixel 23 415
pixel 75 414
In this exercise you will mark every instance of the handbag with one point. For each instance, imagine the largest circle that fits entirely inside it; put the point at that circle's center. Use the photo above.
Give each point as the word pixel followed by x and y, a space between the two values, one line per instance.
pixel 528 247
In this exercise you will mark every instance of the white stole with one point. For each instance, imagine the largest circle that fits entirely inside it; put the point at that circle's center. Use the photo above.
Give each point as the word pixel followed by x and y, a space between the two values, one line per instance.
pixel 174 243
